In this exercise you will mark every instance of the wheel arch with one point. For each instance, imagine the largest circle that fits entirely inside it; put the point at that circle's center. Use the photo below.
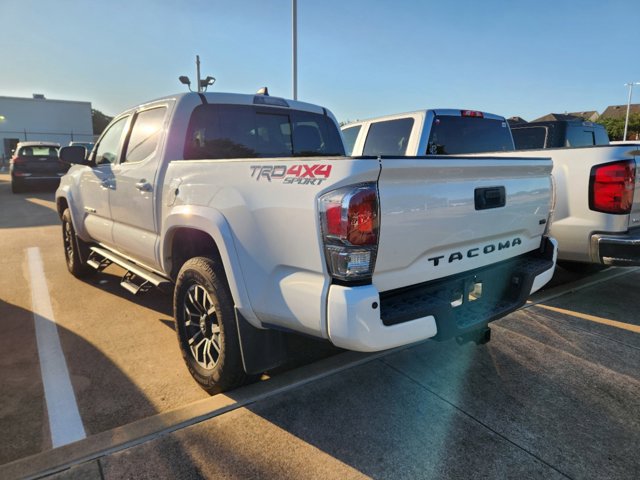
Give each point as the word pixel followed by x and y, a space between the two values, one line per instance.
pixel 65 201
pixel 200 231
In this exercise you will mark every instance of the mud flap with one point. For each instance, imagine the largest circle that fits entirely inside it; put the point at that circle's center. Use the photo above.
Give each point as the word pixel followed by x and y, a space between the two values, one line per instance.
pixel 261 350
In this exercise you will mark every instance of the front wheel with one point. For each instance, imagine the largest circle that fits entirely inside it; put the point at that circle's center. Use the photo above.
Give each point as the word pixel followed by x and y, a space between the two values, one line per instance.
pixel 75 250
pixel 206 325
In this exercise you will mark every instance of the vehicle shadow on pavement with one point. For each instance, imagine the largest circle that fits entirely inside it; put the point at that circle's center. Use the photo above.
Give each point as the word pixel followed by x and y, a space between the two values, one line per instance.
pixel 542 400
pixel 301 349
pixel 38 205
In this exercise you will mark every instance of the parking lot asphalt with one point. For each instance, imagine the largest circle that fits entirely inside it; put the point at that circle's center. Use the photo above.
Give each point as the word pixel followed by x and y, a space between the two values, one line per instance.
pixel 555 394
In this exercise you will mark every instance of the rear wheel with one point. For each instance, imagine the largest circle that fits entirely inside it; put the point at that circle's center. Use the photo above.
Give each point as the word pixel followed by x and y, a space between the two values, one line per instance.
pixel 16 186
pixel 206 325
pixel 76 251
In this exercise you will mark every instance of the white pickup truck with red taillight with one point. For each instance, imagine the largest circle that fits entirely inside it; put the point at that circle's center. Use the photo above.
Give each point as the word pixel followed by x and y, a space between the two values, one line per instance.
pixel 597 210
pixel 597 216
pixel 246 206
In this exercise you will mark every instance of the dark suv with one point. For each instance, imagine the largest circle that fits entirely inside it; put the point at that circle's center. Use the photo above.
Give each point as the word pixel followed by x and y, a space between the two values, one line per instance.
pixel 35 163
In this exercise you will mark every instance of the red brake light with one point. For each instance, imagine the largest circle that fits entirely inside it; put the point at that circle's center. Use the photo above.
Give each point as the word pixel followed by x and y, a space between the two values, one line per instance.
pixel 363 218
pixel 611 187
pixel 17 160
pixel 352 216
pixel 471 113
pixel 350 224
pixel 333 214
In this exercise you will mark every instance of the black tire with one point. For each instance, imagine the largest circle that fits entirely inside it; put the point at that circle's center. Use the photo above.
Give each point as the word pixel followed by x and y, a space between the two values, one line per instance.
pixel 581 268
pixel 16 186
pixel 76 251
pixel 206 325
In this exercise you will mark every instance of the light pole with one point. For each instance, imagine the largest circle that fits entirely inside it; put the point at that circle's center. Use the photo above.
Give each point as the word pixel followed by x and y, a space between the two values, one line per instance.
pixel 626 121
pixel 294 30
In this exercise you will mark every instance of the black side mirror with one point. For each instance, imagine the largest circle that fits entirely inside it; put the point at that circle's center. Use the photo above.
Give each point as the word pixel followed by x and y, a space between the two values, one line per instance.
pixel 75 154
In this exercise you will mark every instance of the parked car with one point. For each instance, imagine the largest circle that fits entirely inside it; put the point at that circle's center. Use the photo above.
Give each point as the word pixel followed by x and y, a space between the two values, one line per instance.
pixel 35 163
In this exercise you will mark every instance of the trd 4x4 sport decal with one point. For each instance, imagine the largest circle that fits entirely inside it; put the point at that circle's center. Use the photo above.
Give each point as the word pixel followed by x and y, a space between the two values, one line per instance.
pixel 295 174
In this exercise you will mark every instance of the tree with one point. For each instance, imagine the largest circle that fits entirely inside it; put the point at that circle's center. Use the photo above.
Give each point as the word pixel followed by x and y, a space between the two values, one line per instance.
pixel 615 127
pixel 100 121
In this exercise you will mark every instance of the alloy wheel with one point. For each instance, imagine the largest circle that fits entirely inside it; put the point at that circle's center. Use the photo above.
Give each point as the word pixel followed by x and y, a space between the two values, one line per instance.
pixel 201 327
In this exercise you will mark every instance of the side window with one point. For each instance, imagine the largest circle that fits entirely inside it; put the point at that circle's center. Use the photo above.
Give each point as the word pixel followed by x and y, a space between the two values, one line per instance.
pixel 580 137
pixel 145 134
pixel 108 149
pixel 388 138
pixel 602 138
pixel 350 135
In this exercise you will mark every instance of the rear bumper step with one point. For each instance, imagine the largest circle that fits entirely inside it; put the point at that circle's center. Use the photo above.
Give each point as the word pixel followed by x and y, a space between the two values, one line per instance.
pixel 469 301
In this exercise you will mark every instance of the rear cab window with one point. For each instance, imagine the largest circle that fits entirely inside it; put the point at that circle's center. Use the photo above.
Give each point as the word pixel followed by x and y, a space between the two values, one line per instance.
pixel 219 131
pixel 452 135
pixel 528 138
pixel 38 151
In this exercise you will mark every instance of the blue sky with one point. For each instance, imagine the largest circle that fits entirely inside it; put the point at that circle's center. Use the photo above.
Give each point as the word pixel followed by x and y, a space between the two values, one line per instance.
pixel 358 58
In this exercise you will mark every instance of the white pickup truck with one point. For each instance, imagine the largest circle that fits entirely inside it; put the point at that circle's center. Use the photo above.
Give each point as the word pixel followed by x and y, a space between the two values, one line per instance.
pixel 597 214
pixel 596 220
pixel 246 206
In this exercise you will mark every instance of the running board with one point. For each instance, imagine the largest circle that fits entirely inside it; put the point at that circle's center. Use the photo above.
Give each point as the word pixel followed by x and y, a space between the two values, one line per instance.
pixel 137 279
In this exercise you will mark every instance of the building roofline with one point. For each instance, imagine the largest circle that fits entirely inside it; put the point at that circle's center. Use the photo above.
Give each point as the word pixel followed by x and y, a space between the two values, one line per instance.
pixel 2 97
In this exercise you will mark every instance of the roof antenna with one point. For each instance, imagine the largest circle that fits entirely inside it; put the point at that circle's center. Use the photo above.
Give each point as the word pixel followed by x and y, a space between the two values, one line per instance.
pixel 201 84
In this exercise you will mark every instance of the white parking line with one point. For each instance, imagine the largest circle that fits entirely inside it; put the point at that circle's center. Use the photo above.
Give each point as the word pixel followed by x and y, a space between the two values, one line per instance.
pixel 64 418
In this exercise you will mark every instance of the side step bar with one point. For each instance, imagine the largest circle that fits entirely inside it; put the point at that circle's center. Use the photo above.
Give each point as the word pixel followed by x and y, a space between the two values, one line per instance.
pixel 137 279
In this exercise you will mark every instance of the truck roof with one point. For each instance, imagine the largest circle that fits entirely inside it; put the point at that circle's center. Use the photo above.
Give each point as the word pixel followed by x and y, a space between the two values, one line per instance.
pixel 244 99
pixel 437 111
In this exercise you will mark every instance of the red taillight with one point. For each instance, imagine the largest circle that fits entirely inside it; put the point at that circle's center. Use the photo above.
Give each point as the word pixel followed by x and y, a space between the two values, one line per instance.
pixel 471 113
pixel 350 226
pixel 352 216
pixel 363 218
pixel 611 187
pixel 18 160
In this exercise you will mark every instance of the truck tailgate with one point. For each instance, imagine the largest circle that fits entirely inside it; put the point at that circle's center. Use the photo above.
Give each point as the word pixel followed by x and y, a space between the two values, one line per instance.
pixel 441 216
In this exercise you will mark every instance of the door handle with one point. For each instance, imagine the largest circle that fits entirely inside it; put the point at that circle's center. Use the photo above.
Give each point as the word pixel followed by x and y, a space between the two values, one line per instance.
pixel 143 186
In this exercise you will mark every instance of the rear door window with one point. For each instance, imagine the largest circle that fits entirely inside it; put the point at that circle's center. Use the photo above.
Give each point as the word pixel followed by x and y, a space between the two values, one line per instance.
pixel 452 134
pixel 244 131
pixel 145 134
pixel 527 138
pixel 389 137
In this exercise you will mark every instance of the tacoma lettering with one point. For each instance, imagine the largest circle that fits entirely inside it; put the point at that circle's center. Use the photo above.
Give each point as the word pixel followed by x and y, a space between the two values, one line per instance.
pixel 475 252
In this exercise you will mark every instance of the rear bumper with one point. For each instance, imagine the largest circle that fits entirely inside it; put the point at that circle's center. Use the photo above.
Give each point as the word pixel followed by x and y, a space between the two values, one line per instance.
pixel 622 250
pixel 363 319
